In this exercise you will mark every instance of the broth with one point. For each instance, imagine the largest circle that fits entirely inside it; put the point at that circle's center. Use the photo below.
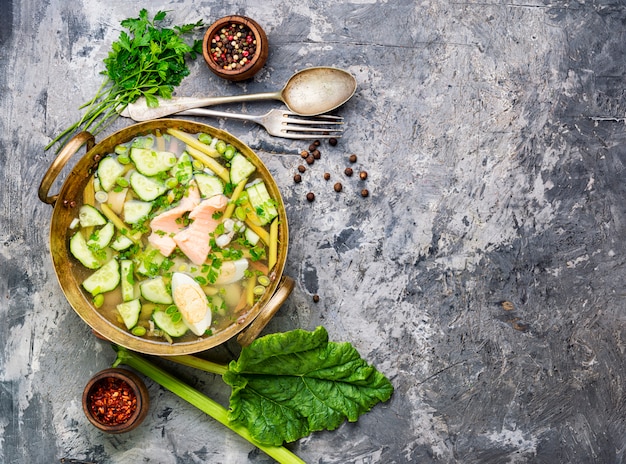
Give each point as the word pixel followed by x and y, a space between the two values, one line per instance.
pixel 180 204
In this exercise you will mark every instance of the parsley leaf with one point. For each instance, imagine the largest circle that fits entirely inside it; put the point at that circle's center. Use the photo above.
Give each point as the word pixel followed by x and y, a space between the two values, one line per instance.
pixel 148 60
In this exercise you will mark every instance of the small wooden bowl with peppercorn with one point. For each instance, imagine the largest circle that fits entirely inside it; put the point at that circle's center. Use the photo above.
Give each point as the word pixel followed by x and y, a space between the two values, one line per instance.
pixel 116 400
pixel 235 47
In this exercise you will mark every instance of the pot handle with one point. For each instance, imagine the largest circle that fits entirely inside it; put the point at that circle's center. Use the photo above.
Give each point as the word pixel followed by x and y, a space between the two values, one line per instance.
pixel 283 290
pixel 59 163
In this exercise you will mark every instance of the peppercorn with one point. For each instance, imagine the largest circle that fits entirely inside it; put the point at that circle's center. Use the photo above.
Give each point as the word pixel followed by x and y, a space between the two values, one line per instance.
pixel 348 172
pixel 332 141
pixel 312 147
pixel 310 196
pixel 316 154
pixel 301 168
pixel 317 143
pixel 310 159
pixel 326 175
pixel 352 158
pixel 363 175
pixel 297 178
pixel 338 187
pixel 316 298
pixel 304 153
pixel 365 193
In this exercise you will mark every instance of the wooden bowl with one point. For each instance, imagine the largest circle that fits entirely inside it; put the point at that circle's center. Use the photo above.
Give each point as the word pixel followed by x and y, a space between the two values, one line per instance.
pixel 254 60
pixel 108 381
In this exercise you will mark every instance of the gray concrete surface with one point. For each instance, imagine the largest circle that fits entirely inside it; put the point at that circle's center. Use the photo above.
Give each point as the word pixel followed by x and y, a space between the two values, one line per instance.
pixel 484 274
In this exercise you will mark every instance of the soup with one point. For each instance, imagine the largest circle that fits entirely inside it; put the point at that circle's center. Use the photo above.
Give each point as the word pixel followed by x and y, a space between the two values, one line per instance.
pixel 176 237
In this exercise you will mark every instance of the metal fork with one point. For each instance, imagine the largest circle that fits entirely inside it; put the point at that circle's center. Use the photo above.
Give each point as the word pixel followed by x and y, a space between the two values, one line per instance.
pixel 280 123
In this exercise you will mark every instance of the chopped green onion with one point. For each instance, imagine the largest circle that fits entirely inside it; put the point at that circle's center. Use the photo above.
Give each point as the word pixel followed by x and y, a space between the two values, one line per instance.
pixel 171 182
pixel 258 290
pixel 139 331
pixel 122 182
pixel 264 280
pixel 205 138
pixel 98 300
pixel 220 147
pixel 123 159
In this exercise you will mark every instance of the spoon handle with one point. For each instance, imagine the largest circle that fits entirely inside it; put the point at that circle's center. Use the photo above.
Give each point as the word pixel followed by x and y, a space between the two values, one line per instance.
pixel 140 111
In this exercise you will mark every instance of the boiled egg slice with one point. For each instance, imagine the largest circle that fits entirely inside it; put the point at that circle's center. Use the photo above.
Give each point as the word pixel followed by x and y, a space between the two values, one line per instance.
pixel 191 302
pixel 232 271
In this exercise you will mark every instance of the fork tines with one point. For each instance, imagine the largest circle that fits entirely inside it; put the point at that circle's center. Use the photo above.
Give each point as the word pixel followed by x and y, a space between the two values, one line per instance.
pixel 319 126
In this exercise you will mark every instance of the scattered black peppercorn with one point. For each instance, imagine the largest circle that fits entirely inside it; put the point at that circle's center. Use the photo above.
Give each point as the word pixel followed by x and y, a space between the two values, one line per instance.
pixel 332 141
pixel 348 172
pixel 312 147
pixel 326 175
pixel 301 168
pixel 310 196
pixel 310 159
pixel 304 154
pixel 363 175
pixel 297 178
pixel 352 158
pixel 316 154
pixel 316 298
pixel 365 193
pixel 317 143
pixel 338 187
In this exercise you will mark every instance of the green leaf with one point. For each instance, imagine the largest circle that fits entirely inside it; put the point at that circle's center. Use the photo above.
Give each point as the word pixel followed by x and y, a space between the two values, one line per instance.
pixel 287 385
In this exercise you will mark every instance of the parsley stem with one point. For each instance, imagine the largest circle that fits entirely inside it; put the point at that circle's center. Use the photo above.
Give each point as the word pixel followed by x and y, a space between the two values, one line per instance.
pixel 199 400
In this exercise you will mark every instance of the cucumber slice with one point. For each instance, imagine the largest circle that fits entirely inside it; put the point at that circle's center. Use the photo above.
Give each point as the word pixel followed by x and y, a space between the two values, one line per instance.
pixel 80 251
pixel 109 169
pixel 129 310
pixel 149 261
pixel 136 210
pixel 165 323
pixel 155 290
pixel 101 238
pixel 104 279
pixel 209 185
pixel 151 162
pixel 251 236
pixel 146 188
pixel 263 205
pixel 183 169
pixel 121 243
pixel 127 280
pixel 240 168
pixel 90 216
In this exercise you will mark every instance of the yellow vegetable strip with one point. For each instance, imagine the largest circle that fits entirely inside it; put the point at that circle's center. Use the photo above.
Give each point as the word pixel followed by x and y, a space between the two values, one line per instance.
pixel 209 162
pixel 89 198
pixel 89 193
pixel 160 141
pixel 117 222
pixel 260 231
pixel 250 290
pixel 230 209
pixel 194 142
pixel 273 244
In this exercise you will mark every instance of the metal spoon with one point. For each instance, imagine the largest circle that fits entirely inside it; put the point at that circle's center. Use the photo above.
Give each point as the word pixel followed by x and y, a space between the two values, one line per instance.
pixel 308 92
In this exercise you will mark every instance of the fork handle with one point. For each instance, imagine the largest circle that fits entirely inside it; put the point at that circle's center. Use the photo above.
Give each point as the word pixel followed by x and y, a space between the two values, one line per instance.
pixel 217 114
pixel 140 111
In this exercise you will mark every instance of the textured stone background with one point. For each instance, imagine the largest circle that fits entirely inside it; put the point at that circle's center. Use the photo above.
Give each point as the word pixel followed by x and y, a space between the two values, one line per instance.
pixel 484 274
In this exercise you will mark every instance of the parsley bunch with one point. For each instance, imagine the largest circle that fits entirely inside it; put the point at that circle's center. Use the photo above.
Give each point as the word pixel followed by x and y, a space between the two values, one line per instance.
pixel 147 61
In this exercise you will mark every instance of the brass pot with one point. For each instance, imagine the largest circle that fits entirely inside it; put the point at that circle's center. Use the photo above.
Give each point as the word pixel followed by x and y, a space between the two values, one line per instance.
pixel 65 205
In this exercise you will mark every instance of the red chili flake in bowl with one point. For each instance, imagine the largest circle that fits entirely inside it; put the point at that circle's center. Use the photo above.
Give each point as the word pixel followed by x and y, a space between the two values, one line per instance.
pixel 233 45
pixel 112 401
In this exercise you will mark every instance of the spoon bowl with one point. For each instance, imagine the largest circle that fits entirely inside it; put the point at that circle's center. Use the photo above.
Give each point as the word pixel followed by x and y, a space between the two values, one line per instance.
pixel 309 92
